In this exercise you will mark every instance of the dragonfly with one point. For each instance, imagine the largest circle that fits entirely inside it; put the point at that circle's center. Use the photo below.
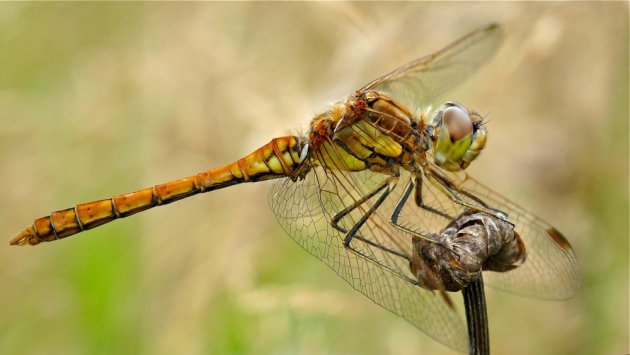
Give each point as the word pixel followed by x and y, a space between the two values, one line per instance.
pixel 375 181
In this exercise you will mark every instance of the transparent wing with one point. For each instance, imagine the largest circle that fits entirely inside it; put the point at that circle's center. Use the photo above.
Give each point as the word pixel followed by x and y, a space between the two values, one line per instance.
pixel 421 81
pixel 551 270
pixel 305 209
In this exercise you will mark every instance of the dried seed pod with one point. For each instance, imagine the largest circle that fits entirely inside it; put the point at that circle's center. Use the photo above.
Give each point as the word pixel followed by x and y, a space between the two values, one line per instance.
pixel 472 243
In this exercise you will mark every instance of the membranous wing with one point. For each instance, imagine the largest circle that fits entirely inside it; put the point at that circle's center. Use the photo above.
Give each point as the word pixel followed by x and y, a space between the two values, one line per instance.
pixel 306 208
pixel 551 270
pixel 421 81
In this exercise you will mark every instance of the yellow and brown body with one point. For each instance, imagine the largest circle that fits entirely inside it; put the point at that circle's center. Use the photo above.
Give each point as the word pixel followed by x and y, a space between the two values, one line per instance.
pixel 338 140
pixel 276 159
pixel 366 131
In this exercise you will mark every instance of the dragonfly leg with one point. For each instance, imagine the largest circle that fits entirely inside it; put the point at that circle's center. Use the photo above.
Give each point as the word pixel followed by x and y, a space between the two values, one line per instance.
pixel 384 266
pixel 379 246
pixel 401 203
pixel 339 215
pixel 452 192
pixel 353 232
pixel 387 186
pixel 420 201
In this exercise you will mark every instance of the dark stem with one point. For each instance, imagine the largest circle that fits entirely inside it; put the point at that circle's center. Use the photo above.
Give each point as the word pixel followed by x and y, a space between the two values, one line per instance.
pixel 477 318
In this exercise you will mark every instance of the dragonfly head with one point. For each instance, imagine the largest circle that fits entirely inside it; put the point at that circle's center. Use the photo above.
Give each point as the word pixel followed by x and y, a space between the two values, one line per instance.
pixel 457 136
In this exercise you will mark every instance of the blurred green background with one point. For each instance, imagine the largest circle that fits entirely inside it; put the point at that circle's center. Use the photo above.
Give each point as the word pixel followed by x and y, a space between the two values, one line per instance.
pixel 100 99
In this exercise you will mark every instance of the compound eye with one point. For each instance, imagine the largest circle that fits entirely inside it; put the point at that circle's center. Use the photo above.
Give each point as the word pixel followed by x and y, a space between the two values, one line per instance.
pixel 457 122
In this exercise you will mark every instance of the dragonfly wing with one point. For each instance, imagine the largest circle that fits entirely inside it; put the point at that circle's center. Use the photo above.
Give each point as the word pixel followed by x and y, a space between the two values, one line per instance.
pixel 418 83
pixel 305 209
pixel 550 271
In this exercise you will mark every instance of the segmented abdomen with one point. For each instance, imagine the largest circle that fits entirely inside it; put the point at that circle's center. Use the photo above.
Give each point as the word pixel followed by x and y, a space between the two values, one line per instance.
pixel 278 158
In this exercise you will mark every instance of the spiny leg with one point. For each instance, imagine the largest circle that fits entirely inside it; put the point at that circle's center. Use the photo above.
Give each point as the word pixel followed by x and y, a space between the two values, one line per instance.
pixel 353 231
pixel 341 214
pixel 384 266
pixel 417 184
pixel 388 185
pixel 420 201
pixel 453 193
pixel 401 203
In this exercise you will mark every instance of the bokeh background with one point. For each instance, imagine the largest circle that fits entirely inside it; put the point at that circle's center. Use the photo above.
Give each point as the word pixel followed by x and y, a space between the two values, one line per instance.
pixel 100 99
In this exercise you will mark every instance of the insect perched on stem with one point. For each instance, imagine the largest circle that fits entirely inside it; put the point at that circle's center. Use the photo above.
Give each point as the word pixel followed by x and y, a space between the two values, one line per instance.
pixel 376 189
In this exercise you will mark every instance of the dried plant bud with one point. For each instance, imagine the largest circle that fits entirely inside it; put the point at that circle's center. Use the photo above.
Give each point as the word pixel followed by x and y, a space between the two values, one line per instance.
pixel 472 243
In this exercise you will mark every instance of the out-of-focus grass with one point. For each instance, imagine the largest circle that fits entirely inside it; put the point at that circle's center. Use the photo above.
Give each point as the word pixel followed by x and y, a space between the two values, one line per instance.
pixel 101 99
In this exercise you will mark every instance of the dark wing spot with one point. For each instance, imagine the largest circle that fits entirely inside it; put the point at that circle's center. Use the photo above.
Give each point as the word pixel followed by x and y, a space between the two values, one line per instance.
pixel 559 238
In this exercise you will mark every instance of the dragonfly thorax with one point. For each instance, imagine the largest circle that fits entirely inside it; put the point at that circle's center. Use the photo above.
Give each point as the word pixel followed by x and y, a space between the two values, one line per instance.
pixel 366 131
